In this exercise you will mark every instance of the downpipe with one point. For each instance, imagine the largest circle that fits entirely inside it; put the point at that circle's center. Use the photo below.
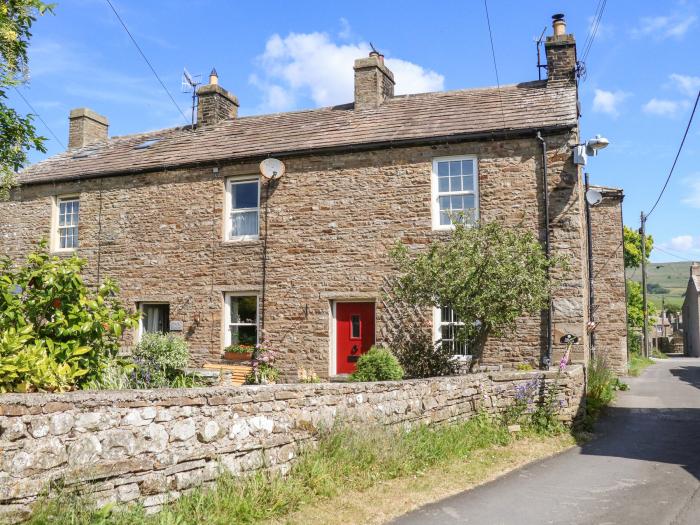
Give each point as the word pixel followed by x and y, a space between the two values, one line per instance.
pixel 547 358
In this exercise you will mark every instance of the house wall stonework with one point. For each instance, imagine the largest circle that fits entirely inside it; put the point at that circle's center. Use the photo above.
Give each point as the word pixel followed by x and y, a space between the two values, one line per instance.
pixel 332 220
pixel 609 281
pixel 154 445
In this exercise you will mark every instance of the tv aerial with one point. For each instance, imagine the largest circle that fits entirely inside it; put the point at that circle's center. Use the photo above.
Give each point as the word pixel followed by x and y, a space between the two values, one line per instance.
pixel 272 169
pixel 189 85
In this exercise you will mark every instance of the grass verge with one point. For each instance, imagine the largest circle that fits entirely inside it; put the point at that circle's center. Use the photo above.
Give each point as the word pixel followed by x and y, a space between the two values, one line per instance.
pixel 638 363
pixel 344 460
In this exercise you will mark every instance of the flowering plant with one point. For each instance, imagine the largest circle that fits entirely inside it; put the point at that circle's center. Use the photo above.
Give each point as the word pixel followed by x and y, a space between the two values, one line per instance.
pixel 264 371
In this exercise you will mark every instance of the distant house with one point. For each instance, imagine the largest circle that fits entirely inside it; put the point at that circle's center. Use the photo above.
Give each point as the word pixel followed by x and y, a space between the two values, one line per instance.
pixel 201 244
pixel 691 313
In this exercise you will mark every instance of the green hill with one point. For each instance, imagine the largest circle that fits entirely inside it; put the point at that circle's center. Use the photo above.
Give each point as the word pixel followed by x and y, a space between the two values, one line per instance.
pixel 664 280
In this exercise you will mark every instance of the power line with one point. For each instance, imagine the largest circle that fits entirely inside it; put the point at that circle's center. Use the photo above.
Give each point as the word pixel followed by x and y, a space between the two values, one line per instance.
pixel 671 254
pixel 607 260
pixel 143 55
pixel 595 26
pixel 35 112
pixel 680 148
pixel 495 66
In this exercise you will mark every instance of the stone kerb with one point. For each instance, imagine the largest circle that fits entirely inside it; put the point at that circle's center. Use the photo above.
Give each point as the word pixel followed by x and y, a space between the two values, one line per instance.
pixel 154 445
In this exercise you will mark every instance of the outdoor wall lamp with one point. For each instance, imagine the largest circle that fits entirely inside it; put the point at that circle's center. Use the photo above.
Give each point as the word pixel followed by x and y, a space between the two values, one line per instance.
pixel 590 147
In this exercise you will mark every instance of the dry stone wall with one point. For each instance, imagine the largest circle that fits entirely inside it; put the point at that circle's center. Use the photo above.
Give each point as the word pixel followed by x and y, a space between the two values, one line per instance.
pixel 151 446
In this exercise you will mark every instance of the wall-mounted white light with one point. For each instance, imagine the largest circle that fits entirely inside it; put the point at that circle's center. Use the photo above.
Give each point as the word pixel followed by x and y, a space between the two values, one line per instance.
pixel 590 147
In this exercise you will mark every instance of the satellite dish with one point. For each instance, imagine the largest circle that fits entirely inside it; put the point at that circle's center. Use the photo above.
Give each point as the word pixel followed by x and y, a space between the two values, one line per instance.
pixel 272 168
pixel 594 197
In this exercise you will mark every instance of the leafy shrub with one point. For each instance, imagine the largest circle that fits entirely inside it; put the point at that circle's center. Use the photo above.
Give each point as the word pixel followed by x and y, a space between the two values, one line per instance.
pixel 264 371
pixel 56 335
pixel 159 360
pixel 600 390
pixel 379 364
pixel 419 356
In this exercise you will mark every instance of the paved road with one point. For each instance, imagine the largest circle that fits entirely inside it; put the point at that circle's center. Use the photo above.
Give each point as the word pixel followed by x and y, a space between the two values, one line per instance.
pixel 643 469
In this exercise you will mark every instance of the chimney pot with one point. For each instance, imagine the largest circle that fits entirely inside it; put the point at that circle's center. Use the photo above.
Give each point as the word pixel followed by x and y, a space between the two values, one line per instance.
pixel 559 24
pixel 213 77
pixel 86 127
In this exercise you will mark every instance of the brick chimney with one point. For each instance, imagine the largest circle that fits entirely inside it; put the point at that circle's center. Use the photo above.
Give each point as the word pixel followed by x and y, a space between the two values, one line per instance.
pixel 214 102
pixel 560 49
pixel 86 127
pixel 374 82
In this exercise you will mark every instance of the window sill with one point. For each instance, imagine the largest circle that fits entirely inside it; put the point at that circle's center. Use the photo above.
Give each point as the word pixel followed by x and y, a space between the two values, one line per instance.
pixel 64 252
pixel 241 242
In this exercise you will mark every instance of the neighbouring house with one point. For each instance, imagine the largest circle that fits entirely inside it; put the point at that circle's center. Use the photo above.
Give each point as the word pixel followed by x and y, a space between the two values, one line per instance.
pixel 691 313
pixel 203 245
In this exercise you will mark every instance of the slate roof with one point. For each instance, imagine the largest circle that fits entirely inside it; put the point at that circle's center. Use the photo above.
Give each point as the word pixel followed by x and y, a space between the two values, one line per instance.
pixel 518 107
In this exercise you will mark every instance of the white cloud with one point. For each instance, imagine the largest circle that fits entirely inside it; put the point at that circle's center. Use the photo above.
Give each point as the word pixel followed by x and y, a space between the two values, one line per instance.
pixel 661 27
pixel 686 84
pixel 664 108
pixel 692 197
pixel 682 243
pixel 311 65
pixel 608 101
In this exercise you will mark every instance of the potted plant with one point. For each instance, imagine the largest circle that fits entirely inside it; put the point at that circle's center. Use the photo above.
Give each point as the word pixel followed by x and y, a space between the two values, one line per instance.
pixel 237 352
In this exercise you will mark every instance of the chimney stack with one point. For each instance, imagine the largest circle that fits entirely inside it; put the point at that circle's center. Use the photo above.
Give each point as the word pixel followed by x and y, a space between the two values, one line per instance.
pixel 560 49
pixel 695 269
pixel 214 102
pixel 374 82
pixel 86 127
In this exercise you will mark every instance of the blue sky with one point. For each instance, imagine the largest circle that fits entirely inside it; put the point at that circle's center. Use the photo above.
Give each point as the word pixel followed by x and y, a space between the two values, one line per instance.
pixel 643 71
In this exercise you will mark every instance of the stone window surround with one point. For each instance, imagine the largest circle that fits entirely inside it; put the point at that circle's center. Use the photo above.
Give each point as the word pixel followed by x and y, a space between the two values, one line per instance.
pixel 333 300
pixel 225 320
pixel 227 224
pixel 54 240
pixel 435 194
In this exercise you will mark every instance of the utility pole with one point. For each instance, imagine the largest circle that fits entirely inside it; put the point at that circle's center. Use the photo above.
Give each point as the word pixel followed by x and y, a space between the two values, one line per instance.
pixel 642 231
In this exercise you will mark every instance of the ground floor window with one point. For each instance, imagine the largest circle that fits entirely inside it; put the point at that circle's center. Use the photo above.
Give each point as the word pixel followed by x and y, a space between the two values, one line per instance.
pixel 446 324
pixel 155 318
pixel 241 318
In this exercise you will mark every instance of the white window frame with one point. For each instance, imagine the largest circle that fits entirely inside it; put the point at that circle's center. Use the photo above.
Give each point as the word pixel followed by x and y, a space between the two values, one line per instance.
pixel 436 194
pixel 437 332
pixel 140 305
pixel 55 234
pixel 226 325
pixel 228 210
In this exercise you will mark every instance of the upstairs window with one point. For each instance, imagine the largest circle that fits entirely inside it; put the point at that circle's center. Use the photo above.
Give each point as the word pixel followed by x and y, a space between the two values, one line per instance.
pixel 243 209
pixel 446 325
pixel 454 191
pixel 65 230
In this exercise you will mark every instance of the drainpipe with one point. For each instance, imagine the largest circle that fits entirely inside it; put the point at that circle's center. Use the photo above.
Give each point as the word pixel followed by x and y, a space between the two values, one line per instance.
pixel 547 360
pixel 591 297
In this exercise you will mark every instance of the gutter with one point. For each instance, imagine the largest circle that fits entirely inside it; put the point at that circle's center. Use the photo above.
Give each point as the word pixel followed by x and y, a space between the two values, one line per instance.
pixel 547 359
pixel 347 148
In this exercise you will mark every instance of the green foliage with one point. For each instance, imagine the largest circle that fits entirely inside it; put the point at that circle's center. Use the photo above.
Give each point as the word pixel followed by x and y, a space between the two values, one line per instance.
pixel 264 369
pixel 657 288
pixel 638 363
pixel 419 356
pixel 600 390
pixel 635 305
pixel 633 247
pixel 488 274
pixel 378 364
pixel 17 133
pixel 673 308
pixel 55 334
pixel 159 359
pixel 524 367
pixel 239 349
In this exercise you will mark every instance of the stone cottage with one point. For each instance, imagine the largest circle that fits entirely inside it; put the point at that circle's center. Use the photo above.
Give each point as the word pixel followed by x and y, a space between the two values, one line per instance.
pixel 691 313
pixel 201 244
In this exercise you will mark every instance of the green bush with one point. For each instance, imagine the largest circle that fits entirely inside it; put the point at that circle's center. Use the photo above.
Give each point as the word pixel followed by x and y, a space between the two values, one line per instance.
pixel 55 334
pixel 379 364
pixel 159 360
pixel 418 354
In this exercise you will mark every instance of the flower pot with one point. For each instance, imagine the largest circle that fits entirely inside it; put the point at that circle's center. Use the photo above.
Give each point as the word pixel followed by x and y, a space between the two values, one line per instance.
pixel 238 356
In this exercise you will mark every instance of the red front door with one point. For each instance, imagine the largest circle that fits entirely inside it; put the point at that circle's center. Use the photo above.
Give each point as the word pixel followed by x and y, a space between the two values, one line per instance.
pixel 354 333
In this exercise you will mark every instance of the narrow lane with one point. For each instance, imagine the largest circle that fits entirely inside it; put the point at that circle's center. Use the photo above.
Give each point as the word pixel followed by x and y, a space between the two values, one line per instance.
pixel 644 468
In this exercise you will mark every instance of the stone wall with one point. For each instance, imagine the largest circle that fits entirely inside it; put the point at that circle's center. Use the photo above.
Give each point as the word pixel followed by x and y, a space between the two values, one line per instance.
pixel 332 221
pixel 153 445
pixel 609 279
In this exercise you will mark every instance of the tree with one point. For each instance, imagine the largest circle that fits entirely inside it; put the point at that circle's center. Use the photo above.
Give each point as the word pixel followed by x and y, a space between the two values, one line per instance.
pixel 635 309
pixel 633 247
pixel 17 133
pixel 489 275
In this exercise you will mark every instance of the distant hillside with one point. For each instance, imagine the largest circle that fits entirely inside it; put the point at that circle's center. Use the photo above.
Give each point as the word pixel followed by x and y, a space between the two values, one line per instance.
pixel 671 276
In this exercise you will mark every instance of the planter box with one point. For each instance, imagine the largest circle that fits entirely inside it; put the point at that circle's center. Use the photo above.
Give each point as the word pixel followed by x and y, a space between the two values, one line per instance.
pixel 236 356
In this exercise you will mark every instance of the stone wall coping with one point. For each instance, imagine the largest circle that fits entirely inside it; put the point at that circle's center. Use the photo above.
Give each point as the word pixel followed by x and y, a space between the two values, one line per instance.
pixel 59 402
